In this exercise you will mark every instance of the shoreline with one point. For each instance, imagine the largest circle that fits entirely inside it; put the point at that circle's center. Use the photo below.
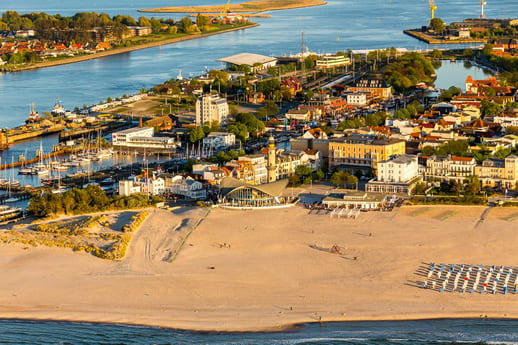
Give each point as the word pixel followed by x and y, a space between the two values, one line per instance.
pixel 237 8
pixel 238 273
pixel 282 328
pixel 123 50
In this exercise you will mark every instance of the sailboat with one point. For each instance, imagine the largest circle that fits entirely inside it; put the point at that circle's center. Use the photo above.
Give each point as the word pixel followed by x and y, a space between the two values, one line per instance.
pixel 24 170
pixel 11 198
pixel 40 168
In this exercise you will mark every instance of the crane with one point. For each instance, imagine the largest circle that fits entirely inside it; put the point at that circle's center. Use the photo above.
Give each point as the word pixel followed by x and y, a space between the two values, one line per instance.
pixel 432 7
pixel 482 4
pixel 225 10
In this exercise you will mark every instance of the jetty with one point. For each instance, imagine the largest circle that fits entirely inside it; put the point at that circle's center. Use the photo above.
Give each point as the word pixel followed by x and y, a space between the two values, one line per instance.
pixel 430 39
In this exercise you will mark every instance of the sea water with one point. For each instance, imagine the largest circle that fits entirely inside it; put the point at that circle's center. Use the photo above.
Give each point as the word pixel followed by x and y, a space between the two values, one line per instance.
pixel 424 332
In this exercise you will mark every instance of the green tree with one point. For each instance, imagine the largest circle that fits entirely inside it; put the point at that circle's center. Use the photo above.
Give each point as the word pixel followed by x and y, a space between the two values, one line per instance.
pixel 488 49
pixel 436 54
pixel 489 108
pixel 196 134
pixel 143 21
pixel 185 25
pixel 303 171
pixel 437 25
pixel 472 185
pixel 202 22
pixel 239 130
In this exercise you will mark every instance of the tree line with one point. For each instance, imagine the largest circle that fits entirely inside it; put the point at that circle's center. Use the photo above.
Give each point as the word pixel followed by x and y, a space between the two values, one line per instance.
pixel 80 201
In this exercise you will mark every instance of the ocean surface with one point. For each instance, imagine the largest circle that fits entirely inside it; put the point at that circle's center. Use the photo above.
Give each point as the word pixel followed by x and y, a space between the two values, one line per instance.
pixel 339 25
pixel 425 332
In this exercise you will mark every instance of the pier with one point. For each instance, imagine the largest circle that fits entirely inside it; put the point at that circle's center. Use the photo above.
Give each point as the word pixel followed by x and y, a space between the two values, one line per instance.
pixel 416 33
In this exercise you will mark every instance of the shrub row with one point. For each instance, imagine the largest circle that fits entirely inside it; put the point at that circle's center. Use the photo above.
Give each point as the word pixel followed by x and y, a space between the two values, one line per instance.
pixel 136 221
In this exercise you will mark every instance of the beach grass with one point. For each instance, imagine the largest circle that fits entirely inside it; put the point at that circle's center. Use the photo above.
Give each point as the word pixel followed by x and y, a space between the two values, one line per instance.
pixel 448 215
pixel 420 211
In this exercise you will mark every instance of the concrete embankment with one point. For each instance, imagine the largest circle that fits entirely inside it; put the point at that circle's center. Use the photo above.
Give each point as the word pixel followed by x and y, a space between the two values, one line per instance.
pixel 434 40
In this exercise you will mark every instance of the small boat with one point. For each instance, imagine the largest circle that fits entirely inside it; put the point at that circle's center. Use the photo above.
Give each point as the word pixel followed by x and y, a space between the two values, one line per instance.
pixel 70 164
pixel 59 167
pixel 25 171
pixel 12 199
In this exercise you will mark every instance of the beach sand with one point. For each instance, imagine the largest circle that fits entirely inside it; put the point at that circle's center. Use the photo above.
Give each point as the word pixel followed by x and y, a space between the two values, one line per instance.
pixel 266 270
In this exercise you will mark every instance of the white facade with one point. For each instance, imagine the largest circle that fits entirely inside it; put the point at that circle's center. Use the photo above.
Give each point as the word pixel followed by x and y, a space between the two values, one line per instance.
pixel 127 188
pixel 258 163
pixel 219 140
pixel 356 98
pixel 142 137
pixel 187 187
pixel 153 186
pixel 506 121
pixel 211 108
pixel 328 61
pixel 124 137
pixel 400 169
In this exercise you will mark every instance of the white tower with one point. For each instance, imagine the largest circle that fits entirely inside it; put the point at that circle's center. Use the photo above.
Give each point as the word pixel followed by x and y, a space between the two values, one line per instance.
pixel 482 4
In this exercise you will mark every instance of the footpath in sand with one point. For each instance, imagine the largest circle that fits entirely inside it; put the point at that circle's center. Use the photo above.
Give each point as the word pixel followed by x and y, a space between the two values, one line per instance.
pixel 265 270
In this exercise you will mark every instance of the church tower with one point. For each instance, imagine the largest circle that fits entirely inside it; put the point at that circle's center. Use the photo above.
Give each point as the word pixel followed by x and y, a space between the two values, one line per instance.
pixel 271 161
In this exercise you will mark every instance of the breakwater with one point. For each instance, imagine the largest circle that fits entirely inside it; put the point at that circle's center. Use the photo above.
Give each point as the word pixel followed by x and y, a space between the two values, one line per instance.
pixel 435 40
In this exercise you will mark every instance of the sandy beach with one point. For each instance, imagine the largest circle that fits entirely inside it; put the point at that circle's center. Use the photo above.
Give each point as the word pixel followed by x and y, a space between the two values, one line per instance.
pixel 266 270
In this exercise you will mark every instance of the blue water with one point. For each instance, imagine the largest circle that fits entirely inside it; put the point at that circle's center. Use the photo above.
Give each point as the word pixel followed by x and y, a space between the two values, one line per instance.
pixel 339 25
pixel 462 331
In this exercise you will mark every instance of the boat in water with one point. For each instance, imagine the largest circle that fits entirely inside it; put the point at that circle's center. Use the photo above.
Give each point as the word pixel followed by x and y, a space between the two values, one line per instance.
pixel 34 116
pixel 12 199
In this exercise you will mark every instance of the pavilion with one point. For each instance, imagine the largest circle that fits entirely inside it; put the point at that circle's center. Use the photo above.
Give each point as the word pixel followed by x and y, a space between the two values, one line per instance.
pixel 238 194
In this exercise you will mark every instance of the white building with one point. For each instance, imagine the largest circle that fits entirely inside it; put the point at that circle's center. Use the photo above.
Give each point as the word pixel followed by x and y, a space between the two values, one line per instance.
pixel 256 62
pixel 506 121
pixel 142 137
pixel 399 169
pixel 395 175
pixel 219 140
pixel 356 98
pixel 152 186
pixel 188 187
pixel 329 61
pixel 127 188
pixel 211 108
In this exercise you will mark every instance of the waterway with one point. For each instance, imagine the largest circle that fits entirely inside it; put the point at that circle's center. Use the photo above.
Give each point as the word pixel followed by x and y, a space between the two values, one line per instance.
pixel 429 332
pixel 339 25
pixel 454 73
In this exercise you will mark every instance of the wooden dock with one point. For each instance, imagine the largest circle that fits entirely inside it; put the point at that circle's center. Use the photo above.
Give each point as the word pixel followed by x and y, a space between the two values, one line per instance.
pixel 32 160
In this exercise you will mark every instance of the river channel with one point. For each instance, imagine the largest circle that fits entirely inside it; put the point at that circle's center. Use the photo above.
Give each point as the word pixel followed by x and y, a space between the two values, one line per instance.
pixel 339 25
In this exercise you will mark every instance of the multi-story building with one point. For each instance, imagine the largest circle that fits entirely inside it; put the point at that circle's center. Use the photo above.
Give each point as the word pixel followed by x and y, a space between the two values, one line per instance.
pixel 449 167
pixel 501 173
pixel 398 169
pixel 377 88
pixel 211 108
pixel 152 186
pixel 140 138
pixel 219 140
pixel 251 169
pixel 356 98
pixel 395 175
pixel 329 61
pixel 186 186
pixel 362 152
